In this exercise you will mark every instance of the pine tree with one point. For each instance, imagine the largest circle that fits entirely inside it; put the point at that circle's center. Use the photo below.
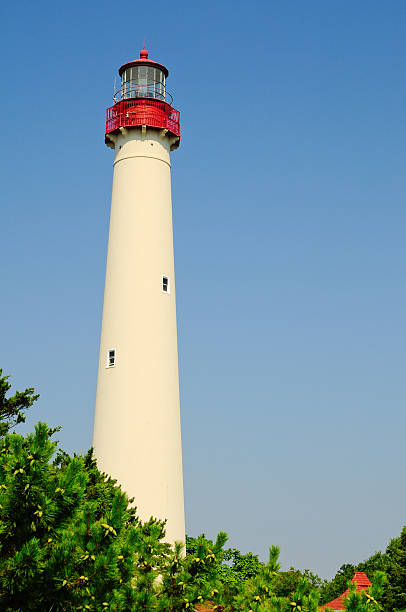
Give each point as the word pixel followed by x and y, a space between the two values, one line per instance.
pixel 12 409
pixel 367 600
pixel 69 539
pixel 257 594
pixel 395 596
pixel 194 579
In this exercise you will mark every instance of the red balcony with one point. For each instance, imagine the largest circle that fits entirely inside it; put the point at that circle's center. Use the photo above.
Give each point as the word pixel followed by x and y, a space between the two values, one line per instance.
pixel 133 112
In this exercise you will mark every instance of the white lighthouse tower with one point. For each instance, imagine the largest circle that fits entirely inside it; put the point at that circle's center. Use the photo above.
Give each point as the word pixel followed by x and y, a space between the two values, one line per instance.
pixel 137 435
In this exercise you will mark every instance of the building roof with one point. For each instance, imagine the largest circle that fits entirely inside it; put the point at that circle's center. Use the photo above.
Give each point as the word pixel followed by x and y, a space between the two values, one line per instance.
pixel 361 580
pixel 143 61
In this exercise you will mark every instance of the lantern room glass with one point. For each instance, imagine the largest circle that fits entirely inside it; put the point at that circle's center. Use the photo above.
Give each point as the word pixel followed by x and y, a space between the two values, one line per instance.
pixel 143 82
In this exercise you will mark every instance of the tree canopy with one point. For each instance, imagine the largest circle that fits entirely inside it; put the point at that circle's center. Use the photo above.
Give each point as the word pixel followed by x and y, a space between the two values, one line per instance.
pixel 70 539
pixel 12 409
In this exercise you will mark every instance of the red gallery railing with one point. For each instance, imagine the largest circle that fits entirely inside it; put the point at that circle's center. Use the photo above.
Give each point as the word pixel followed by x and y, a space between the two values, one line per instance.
pixel 143 111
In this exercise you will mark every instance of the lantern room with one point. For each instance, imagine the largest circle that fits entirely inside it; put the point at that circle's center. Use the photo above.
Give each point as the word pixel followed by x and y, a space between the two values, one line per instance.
pixel 143 78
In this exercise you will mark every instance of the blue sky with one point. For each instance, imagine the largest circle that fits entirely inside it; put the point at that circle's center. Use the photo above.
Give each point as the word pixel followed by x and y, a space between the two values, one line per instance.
pixel 289 221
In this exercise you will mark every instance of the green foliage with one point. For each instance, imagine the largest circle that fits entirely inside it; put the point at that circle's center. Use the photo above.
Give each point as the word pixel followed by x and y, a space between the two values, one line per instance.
pixel 392 562
pixel 71 540
pixel 330 590
pixel 230 567
pixel 367 600
pixel 259 594
pixel 395 594
pixel 233 569
pixel 256 593
pixel 336 587
pixel 67 535
pixel 287 583
pixel 12 409
pixel 194 579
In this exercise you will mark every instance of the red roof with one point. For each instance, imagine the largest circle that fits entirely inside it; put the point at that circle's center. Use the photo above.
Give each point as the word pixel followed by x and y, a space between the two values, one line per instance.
pixel 143 61
pixel 361 580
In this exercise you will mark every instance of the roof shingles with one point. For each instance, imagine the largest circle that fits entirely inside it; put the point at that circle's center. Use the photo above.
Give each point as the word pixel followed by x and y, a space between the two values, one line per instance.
pixel 361 580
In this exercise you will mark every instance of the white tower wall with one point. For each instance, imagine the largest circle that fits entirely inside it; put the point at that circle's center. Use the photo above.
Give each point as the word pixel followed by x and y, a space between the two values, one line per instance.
pixel 137 435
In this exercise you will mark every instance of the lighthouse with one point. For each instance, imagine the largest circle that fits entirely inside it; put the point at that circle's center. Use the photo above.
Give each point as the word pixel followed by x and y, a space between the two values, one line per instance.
pixel 137 435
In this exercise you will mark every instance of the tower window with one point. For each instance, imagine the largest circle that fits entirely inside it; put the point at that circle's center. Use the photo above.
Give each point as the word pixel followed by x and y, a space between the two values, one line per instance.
pixel 111 358
pixel 165 284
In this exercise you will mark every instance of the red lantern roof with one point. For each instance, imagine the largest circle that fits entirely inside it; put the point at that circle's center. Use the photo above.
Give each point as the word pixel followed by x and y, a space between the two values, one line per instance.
pixel 143 61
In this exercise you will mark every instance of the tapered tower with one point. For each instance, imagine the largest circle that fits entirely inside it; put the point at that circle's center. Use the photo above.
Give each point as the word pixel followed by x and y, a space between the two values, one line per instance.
pixel 137 435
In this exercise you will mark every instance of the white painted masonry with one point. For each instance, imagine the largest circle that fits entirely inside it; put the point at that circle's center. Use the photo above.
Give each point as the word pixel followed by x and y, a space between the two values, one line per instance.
pixel 137 437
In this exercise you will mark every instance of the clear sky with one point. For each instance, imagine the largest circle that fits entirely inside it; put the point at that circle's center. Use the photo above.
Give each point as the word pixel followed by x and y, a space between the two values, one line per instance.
pixel 289 222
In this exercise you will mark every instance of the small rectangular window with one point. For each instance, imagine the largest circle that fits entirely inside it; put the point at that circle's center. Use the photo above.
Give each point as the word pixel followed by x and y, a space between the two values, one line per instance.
pixel 165 284
pixel 111 358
